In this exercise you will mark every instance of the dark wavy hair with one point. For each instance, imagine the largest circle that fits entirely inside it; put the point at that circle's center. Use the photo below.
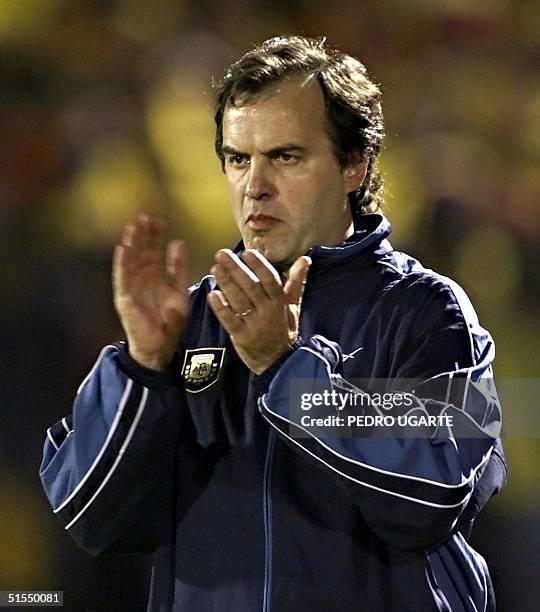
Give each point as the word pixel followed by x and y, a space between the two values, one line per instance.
pixel 352 101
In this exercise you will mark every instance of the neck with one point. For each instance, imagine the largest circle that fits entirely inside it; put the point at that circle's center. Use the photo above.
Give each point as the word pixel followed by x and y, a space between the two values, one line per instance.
pixel 284 267
pixel 349 231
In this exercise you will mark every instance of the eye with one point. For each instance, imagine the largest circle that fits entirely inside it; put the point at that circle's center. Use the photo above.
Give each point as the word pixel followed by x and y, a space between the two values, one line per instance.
pixel 237 159
pixel 286 158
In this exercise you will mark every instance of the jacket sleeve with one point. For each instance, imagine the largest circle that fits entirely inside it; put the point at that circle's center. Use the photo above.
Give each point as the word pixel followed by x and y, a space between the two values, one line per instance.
pixel 107 468
pixel 491 481
pixel 411 485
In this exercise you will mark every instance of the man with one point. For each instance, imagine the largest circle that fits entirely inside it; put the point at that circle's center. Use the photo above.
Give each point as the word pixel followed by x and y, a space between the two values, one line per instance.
pixel 186 442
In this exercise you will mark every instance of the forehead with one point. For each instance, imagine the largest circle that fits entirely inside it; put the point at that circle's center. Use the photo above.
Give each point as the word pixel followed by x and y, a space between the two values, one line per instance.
pixel 290 111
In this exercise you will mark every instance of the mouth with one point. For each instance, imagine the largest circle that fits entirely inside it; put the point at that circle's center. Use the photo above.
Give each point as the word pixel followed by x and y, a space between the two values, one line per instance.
pixel 261 222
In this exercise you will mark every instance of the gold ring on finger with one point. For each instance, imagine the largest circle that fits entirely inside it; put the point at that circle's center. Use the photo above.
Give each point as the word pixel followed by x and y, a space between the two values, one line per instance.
pixel 243 314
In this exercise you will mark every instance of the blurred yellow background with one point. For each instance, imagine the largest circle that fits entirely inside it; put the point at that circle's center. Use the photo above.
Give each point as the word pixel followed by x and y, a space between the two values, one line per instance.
pixel 106 111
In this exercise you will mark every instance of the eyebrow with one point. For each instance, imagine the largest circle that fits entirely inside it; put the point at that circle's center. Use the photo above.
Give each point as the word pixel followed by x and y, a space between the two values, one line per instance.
pixel 289 146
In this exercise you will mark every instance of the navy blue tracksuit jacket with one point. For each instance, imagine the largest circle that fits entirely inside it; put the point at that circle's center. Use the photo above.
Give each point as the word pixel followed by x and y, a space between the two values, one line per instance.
pixel 203 466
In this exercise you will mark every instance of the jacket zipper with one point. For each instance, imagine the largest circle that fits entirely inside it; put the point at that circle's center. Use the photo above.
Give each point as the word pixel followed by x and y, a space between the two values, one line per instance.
pixel 267 507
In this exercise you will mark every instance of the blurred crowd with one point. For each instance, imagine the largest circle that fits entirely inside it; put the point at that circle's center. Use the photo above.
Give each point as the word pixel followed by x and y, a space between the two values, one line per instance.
pixel 106 111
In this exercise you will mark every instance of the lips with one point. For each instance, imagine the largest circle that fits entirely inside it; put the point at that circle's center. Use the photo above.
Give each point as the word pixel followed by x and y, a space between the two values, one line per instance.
pixel 261 222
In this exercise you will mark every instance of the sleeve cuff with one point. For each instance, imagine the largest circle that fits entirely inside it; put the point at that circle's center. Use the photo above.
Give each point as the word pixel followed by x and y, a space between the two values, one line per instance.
pixel 262 381
pixel 158 381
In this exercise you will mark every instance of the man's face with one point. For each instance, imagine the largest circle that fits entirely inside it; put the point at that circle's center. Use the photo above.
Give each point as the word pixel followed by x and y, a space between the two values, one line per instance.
pixel 287 189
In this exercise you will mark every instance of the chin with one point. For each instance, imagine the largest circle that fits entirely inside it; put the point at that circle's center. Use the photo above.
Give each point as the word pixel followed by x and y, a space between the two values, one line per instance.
pixel 277 256
pixel 281 263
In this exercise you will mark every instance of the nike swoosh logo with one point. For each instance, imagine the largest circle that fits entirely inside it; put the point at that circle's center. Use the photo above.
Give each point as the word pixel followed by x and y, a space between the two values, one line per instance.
pixel 351 355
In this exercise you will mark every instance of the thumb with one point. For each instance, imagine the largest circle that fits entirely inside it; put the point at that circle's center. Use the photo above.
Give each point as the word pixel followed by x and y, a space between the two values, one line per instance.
pixel 294 287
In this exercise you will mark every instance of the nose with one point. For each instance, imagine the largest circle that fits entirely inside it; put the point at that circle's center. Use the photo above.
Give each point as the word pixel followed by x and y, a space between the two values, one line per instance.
pixel 259 185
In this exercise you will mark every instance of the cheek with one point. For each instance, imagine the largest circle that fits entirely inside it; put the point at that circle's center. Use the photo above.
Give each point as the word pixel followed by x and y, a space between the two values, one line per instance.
pixel 299 192
pixel 235 198
pixel 305 200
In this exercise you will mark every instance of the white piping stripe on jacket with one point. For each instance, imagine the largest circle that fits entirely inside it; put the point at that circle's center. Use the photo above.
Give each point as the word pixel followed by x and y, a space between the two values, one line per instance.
pixel 121 405
pixel 466 390
pixel 95 366
pixel 121 452
pixel 325 341
pixel 449 386
pixel 199 283
pixel 49 435
pixel 365 465
pixel 64 423
pixel 361 482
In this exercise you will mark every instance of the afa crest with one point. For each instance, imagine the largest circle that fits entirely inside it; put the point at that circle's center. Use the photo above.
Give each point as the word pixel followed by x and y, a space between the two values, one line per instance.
pixel 202 367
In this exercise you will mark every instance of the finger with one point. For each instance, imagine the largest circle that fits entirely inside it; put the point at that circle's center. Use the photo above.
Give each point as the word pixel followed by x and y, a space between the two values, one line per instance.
pixel 178 263
pixel 139 230
pixel 127 234
pixel 244 277
pixel 231 260
pixel 145 236
pixel 120 269
pixel 140 234
pixel 236 297
pixel 149 239
pixel 265 272
pixel 294 287
pixel 240 272
pixel 153 231
pixel 224 314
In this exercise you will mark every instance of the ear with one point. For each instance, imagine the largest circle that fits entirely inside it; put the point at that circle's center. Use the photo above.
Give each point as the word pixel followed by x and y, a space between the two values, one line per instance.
pixel 354 174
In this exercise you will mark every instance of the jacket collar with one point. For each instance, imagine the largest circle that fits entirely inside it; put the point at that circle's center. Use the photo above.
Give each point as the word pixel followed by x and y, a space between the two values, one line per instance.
pixel 370 234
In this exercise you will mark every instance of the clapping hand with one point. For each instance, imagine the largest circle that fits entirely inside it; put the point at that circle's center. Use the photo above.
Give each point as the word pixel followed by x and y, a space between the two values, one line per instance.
pixel 259 311
pixel 150 287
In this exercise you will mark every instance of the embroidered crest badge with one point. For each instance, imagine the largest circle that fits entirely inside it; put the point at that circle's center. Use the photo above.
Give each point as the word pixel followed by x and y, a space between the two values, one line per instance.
pixel 202 367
